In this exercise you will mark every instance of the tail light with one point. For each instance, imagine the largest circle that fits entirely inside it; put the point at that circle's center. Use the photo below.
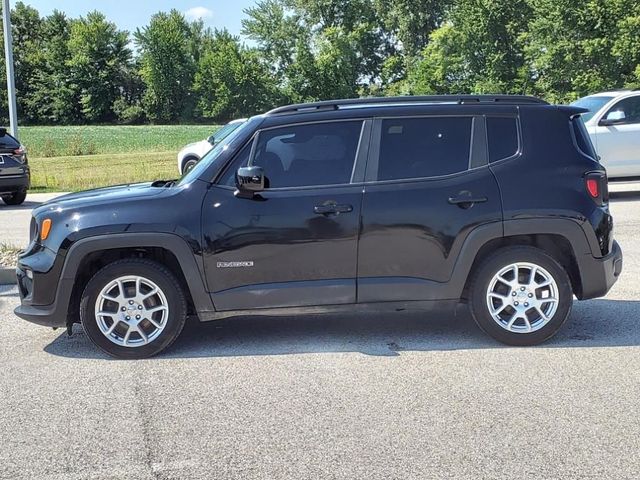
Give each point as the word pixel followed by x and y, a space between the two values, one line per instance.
pixel 597 188
pixel 20 154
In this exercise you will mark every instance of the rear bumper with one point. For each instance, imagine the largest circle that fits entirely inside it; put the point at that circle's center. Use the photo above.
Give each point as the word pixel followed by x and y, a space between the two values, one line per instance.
pixel 599 274
pixel 14 183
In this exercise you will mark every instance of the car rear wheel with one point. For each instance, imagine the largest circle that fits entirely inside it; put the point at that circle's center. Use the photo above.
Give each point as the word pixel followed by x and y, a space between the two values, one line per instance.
pixel 133 308
pixel 521 296
pixel 16 198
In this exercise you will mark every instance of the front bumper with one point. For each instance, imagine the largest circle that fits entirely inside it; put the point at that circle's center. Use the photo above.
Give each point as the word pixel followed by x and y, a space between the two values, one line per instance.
pixel 14 183
pixel 44 296
pixel 599 274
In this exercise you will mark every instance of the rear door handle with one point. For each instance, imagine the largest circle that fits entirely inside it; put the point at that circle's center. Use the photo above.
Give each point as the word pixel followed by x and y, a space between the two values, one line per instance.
pixel 332 209
pixel 466 200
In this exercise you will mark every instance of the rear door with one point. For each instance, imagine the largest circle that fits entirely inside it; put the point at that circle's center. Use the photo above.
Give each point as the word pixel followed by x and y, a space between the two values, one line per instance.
pixel 428 185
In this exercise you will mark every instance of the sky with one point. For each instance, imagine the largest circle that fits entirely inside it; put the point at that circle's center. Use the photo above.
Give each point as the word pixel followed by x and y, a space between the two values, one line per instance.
pixel 131 14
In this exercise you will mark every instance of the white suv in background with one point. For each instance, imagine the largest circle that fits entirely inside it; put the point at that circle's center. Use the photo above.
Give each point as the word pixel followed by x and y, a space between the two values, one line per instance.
pixel 613 122
pixel 192 153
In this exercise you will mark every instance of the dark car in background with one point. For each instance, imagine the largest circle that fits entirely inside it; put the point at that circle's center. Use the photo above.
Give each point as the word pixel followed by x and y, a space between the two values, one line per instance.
pixel 14 170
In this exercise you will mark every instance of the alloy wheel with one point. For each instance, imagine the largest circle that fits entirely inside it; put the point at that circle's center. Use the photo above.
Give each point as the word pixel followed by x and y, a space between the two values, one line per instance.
pixel 131 311
pixel 522 297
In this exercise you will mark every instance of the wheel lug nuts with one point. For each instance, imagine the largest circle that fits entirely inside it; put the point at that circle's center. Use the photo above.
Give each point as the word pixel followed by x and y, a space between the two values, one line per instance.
pixel 530 295
pixel 123 308
pixel 130 302
pixel 137 317
pixel 139 307
pixel 516 303
pixel 128 317
pixel 526 304
pixel 513 294
pixel 522 289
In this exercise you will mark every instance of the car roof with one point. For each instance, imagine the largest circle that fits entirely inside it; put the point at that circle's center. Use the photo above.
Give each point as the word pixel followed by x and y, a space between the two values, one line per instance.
pixel 615 93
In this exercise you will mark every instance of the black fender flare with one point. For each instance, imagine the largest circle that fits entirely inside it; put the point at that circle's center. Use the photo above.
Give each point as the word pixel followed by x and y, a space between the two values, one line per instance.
pixel 567 228
pixel 171 242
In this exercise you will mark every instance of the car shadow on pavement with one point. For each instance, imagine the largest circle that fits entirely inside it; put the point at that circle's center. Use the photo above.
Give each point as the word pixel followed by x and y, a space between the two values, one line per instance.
pixel 595 323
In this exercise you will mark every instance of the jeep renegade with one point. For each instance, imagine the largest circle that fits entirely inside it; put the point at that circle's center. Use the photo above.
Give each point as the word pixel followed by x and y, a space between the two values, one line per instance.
pixel 366 204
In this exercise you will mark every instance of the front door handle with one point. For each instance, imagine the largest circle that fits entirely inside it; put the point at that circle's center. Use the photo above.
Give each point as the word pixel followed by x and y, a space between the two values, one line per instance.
pixel 466 200
pixel 332 209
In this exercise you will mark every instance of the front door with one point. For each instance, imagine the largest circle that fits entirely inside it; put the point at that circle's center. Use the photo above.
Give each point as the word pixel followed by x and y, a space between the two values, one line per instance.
pixel 295 243
pixel 427 188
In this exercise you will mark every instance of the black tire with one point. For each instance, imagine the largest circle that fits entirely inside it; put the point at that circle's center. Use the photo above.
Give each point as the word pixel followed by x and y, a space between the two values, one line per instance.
pixel 147 269
pixel 492 265
pixel 16 198
pixel 188 164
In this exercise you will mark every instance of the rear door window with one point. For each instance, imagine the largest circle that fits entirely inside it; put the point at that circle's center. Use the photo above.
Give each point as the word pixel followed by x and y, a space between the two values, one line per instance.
pixel 424 147
pixel 502 136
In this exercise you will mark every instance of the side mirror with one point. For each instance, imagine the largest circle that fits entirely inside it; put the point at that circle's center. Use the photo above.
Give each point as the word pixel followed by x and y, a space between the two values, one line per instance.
pixel 249 180
pixel 212 139
pixel 614 117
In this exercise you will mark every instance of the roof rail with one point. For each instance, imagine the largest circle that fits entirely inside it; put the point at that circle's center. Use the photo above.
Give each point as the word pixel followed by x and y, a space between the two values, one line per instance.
pixel 407 99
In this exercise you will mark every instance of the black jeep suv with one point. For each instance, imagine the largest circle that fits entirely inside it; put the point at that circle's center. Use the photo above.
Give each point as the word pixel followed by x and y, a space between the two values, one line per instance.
pixel 369 204
pixel 14 170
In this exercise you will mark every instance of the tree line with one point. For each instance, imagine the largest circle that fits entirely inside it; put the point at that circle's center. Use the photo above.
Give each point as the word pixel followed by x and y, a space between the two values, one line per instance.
pixel 86 70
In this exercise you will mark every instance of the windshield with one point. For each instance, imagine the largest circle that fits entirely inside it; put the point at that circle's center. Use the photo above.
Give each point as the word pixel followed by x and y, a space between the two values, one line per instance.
pixel 213 154
pixel 593 104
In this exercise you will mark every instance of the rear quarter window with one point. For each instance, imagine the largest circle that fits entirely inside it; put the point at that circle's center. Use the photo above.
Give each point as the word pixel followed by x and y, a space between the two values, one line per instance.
pixel 502 137
pixel 583 141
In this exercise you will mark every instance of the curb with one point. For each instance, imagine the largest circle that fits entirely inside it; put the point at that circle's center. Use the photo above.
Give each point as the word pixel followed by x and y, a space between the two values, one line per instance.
pixel 8 276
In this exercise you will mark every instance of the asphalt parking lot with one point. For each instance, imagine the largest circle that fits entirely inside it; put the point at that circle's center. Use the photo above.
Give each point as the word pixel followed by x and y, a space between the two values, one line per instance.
pixel 375 397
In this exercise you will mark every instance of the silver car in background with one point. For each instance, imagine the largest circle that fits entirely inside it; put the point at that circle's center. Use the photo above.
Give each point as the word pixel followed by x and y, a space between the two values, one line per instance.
pixel 191 154
pixel 613 123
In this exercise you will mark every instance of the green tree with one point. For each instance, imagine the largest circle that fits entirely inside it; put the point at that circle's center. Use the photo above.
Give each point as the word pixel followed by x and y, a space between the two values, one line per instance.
pixel 167 66
pixel 479 49
pixel 231 81
pixel 99 55
pixel 54 97
pixel 27 41
pixel 577 48
pixel 320 48
pixel 411 22
pixel 277 33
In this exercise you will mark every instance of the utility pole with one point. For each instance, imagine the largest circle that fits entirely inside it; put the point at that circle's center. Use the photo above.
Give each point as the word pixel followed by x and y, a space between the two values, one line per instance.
pixel 8 58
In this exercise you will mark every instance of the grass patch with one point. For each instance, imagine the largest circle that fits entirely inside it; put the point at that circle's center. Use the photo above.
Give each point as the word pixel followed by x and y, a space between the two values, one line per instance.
pixel 8 255
pixel 90 140
pixel 81 157
pixel 73 173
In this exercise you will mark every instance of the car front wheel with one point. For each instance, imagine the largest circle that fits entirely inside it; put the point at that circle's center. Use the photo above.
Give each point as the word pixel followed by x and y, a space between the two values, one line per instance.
pixel 521 296
pixel 133 308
